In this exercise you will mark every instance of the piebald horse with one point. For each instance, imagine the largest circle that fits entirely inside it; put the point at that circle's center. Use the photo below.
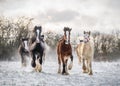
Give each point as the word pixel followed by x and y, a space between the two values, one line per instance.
pixel 37 48
pixel 24 50
pixel 85 52
pixel 64 51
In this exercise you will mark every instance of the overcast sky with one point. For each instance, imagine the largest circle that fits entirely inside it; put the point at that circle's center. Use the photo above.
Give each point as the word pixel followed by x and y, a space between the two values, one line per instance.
pixel 101 15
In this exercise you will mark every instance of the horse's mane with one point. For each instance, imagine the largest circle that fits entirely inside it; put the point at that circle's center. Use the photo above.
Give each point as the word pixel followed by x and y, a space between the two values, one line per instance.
pixel 61 39
pixel 91 39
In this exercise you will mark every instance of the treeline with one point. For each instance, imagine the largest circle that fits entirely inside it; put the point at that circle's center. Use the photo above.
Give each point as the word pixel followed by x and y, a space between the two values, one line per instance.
pixel 11 31
pixel 107 46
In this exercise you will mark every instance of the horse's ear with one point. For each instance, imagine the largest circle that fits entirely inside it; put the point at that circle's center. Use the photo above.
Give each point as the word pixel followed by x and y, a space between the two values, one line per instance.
pixel 22 39
pixel 27 38
pixel 64 29
pixel 84 32
pixel 89 32
pixel 42 36
pixel 40 27
pixel 34 28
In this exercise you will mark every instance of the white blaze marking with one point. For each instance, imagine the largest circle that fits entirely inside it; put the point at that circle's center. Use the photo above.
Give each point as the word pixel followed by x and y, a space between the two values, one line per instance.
pixel 86 37
pixel 67 34
pixel 38 32
pixel 26 45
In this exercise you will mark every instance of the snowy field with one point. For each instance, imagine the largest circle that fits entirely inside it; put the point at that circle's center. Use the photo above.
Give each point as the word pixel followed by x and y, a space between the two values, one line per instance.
pixel 104 74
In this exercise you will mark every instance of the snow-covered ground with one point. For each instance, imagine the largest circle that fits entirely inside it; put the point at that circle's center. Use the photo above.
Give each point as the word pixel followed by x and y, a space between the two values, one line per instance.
pixel 104 74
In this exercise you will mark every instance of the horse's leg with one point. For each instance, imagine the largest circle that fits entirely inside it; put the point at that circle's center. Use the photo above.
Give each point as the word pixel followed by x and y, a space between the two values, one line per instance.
pixel 33 60
pixel 87 65
pixel 83 65
pixel 43 56
pixel 23 60
pixel 90 67
pixel 59 63
pixel 63 72
pixel 79 57
pixel 66 70
pixel 40 58
pixel 71 63
pixel 38 66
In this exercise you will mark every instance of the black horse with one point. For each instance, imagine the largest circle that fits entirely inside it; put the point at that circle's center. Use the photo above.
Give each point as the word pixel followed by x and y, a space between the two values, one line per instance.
pixel 37 48
pixel 24 50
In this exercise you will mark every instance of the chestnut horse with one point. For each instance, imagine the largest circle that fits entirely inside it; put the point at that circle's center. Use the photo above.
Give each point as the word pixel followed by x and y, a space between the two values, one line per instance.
pixel 64 51
pixel 85 52
pixel 24 50
pixel 37 48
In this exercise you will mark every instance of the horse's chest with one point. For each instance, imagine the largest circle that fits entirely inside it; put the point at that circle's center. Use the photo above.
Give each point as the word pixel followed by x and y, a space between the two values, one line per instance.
pixel 24 51
pixel 87 50
pixel 87 47
pixel 38 48
pixel 66 50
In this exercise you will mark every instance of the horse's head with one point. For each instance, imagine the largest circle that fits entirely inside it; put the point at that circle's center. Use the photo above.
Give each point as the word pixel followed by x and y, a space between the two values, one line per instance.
pixel 25 43
pixel 87 36
pixel 37 31
pixel 67 31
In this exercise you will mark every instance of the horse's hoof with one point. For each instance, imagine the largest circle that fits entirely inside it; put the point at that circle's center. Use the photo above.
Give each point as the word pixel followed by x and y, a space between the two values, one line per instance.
pixel 84 68
pixel 39 69
pixel 65 73
pixel 85 71
pixel 35 69
pixel 70 66
pixel 59 72
pixel 24 65
pixel 90 73
pixel 33 64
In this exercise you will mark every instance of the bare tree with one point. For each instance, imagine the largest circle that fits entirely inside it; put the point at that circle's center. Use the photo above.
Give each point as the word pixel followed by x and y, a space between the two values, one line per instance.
pixel 10 34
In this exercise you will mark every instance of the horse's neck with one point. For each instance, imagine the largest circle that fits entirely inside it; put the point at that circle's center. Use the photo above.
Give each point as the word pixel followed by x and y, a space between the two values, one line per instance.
pixel 88 46
pixel 63 41
pixel 22 46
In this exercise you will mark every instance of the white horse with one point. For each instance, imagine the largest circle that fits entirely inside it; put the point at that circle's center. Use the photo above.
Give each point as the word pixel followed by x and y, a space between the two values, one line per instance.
pixel 85 52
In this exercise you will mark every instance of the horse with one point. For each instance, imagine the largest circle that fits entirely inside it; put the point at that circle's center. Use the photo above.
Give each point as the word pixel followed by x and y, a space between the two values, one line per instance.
pixel 85 52
pixel 24 50
pixel 64 52
pixel 37 48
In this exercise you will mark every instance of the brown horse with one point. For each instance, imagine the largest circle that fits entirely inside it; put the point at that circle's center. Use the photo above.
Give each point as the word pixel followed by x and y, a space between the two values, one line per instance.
pixel 64 51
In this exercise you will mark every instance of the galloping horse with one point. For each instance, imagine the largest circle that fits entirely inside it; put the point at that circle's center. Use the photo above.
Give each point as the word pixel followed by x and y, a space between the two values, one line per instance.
pixel 37 48
pixel 85 52
pixel 24 50
pixel 64 51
